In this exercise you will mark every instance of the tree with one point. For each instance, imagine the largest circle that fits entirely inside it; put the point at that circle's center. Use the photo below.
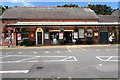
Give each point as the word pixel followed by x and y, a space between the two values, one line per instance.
pixel 101 9
pixel 2 9
pixel 66 5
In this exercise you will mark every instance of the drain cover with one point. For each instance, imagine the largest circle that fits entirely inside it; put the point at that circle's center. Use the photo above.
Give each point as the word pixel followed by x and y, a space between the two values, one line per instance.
pixel 39 67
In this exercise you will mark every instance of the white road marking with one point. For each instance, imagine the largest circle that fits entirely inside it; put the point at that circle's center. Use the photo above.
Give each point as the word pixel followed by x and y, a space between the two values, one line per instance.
pixel 108 58
pixel 83 49
pixel 64 59
pixel 97 50
pixel 27 59
pixel 31 57
pixel 7 53
pixel 100 64
pixel 69 50
pixel 106 49
pixel 47 52
pixel 5 56
pixel 58 52
pixel 34 52
pixel 116 49
pixel 32 61
pixel 15 71
pixel 19 52
pixel 75 58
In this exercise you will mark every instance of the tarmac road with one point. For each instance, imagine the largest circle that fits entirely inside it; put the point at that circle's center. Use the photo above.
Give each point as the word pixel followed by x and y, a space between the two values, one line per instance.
pixel 64 62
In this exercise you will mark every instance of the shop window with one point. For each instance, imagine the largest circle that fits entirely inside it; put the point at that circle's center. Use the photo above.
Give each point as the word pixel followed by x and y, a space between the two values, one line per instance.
pixel 81 33
pixel 11 31
pixel 24 32
pixel 89 32
pixel 6 35
pixel 6 31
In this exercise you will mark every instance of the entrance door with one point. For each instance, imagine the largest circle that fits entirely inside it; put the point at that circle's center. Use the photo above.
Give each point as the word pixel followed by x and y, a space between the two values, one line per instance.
pixel 68 36
pixel 54 37
pixel 103 37
pixel 39 38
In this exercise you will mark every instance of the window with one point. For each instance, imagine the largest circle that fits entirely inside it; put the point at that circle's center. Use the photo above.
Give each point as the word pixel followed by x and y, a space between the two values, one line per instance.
pixel 89 32
pixel 11 31
pixel 24 32
pixel 6 33
pixel 81 33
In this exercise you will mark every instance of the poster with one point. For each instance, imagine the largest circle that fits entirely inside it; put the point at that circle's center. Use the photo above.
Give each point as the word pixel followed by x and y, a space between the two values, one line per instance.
pixel 19 37
pixel 75 35
pixel 46 36
pixel 60 35
pixel 81 33
pixel 95 34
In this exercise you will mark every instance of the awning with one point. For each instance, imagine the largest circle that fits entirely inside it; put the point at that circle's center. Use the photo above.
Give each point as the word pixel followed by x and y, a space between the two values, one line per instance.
pixel 63 24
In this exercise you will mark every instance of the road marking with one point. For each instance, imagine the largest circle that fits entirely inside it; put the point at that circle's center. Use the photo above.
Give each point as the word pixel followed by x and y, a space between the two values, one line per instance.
pixel 27 59
pixel 116 49
pixel 35 55
pixel 100 64
pixel 47 52
pixel 64 59
pixel 15 71
pixel 97 50
pixel 69 50
pixel 32 61
pixel 7 53
pixel 108 58
pixel 83 49
pixel 5 56
pixel 32 58
pixel 19 52
pixel 58 52
pixel 106 49
pixel 34 52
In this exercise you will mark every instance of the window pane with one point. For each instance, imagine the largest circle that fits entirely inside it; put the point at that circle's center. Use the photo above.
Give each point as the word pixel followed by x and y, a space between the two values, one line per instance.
pixel 81 33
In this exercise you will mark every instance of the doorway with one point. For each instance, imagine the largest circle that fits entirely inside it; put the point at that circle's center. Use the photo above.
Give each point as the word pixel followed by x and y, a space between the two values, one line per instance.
pixel 103 37
pixel 54 37
pixel 39 38
pixel 68 36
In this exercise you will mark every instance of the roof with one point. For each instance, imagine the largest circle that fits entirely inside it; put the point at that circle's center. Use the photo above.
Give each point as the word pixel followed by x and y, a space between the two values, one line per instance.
pixel 116 13
pixel 49 13
pixel 108 18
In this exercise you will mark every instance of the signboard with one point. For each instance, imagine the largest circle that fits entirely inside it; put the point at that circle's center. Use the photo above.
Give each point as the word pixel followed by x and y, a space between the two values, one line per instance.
pixel 75 35
pixel 95 34
pixel 60 35
pixel 19 37
pixel 46 36
pixel 81 33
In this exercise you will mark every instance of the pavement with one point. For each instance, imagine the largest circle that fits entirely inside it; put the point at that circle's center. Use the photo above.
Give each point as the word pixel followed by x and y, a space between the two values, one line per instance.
pixel 57 46
pixel 61 61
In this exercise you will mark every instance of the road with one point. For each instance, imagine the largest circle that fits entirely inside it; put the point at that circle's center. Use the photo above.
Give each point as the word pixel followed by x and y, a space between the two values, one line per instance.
pixel 74 62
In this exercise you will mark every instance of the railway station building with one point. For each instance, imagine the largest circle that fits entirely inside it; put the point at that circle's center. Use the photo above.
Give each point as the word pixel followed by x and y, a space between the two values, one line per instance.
pixel 56 25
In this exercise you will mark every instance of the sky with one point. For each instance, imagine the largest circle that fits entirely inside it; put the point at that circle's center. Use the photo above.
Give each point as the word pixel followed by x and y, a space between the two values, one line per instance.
pixel 22 3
